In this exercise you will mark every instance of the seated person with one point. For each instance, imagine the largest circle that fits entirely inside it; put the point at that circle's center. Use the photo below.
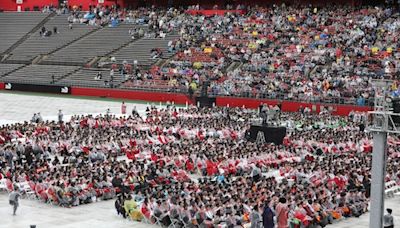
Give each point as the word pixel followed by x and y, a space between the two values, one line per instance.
pixel 132 210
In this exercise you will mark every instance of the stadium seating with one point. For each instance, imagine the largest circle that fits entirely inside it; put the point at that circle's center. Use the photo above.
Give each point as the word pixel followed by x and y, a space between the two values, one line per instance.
pixel 39 74
pixel 15 25
pixel 38 45
pixel 97 44
pixel 86 77
pixel 7 68
pixel 141 50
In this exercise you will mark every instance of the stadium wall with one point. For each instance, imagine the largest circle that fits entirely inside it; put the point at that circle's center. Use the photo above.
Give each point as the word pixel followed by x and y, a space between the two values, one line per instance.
pixel 178 98
pixel 86 3
pixel 182 99
pixel 289 106
pixel 11 5
pixel 209 4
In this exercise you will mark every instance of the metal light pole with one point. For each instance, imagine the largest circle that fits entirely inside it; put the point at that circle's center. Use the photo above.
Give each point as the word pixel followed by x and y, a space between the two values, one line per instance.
pixel 377 182
pixel 380 125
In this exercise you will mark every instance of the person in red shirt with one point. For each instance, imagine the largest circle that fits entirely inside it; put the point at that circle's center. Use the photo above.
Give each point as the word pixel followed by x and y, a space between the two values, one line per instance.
pixel 123 108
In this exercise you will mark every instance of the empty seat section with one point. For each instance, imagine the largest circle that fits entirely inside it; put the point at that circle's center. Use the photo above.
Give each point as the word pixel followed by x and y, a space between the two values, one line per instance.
pixel 141 50
pixel 36 44
pixel 98 43
pixel 39 74
pixel 15 25
pixel 6 68
pixel 86 77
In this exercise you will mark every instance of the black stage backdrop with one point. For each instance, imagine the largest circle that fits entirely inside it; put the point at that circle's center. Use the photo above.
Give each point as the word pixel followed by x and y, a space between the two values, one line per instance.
pixel 271 134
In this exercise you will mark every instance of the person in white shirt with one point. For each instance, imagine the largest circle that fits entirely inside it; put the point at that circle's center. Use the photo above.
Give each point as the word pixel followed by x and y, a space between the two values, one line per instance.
pixel 14 198
pixel 388 219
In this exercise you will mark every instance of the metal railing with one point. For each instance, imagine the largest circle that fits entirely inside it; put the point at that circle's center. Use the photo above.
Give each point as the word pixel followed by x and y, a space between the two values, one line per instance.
pixel 154 88
pixel 313 99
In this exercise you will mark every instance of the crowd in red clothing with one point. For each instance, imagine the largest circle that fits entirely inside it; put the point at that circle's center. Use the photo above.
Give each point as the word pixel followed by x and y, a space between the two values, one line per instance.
pixel 88 158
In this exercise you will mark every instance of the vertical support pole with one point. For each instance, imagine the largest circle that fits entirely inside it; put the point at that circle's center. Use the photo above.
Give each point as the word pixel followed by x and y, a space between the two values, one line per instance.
pixel 378 179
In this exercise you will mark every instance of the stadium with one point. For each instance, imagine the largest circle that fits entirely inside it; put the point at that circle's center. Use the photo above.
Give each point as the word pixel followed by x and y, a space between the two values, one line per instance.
pixel 199 114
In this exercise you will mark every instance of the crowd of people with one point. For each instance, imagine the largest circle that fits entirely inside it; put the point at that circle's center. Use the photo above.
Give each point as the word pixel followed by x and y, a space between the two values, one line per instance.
pixel 301 53
pixel 327 54
pixel 197 166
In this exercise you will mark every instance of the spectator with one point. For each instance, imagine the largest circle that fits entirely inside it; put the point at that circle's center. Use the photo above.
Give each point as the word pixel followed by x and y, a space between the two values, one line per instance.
pixel 268 216
pixel 388 219
pixel 123 108
pixel 282 213
pixel 14 199
pixel 60 116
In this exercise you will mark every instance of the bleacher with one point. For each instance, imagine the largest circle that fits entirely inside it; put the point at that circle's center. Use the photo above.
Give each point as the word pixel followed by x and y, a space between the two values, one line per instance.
pixel 39 74
pixel 141 50
pixel 97 44
pixel 7 68
pixel 65 53
pixel 16 25
pixel 36 45
pixel 86 77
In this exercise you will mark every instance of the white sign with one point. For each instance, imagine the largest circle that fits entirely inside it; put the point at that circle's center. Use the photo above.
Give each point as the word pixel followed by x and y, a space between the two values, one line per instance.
pixel 64 90
pixel 20 1
pixel 101 1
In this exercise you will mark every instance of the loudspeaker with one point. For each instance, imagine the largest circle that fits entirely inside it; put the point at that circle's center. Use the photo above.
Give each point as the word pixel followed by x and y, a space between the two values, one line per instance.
pixel 206 101
pixel 271 134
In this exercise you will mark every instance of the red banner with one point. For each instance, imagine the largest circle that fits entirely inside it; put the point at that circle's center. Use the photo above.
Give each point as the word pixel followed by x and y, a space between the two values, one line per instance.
pixel 177 98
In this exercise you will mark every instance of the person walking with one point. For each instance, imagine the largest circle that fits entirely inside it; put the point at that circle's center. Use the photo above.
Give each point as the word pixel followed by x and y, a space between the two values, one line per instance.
pixel 123 108
pixel 388 219
pixel 255 218
pixel 14 197
pixel 60 116
pixel 268 216
pixel 282 213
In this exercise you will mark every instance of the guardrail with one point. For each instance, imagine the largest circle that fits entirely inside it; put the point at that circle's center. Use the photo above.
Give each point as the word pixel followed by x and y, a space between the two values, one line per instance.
pixel 314 99
pixel 182 90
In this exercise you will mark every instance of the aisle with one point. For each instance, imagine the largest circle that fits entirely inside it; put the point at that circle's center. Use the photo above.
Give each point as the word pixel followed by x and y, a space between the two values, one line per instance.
pixel 31 212
pixel 17 107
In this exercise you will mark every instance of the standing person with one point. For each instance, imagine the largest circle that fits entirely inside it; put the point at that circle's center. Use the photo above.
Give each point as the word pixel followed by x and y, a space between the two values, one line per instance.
pixel 14 197
pixel 123 108
pixel 60 116
pixel 39 118
pixel 34 118
pixel 282 212
pixel 255 218
pixel 135 112
pixel 255 173
pixel 268 216
pixel 388 219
